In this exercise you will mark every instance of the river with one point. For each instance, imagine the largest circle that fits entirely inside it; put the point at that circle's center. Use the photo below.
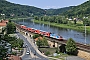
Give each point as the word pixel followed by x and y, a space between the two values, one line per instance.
pixel 65 33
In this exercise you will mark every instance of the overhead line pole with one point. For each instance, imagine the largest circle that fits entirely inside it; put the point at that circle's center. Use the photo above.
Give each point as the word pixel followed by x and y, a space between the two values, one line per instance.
pixel 85 34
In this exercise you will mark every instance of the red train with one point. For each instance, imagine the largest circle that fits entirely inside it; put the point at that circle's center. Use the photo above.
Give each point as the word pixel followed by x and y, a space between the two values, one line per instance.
pixel 44 33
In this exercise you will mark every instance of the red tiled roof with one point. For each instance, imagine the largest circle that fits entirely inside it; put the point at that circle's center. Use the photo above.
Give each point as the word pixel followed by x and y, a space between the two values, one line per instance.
pixel 39 38
pixel 12 57
pixel 4 21
pixel 2 24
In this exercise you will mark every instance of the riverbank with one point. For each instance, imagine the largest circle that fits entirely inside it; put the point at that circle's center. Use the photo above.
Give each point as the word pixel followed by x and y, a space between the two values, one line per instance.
pixel 21 18
pixel 80 28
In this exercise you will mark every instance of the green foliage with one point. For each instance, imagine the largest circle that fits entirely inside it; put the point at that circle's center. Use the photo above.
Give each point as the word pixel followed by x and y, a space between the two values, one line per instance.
pixel 39 42
pixel 42 43
pixel 11 28
pixel 57 11
pixel 80 10
pixel 75 22
pixel 12 10
pixel 86 22
pixel 47 53
pixel 17 43
pixel 71 46
pixel 56 51
pixel 16 10
pixel 14 53
pixel 3 52
pixel 13 41
pixel 53 19
pixel 36 18
pixel 35 36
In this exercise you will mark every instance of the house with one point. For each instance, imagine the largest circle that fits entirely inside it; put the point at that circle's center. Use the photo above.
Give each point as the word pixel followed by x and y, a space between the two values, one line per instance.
pixel 13 57
pixel 4 21
pixel 70 19
pixel 3 24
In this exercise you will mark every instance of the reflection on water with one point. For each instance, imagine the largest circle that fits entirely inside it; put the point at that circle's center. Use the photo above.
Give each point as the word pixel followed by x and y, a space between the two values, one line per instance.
pixel 66 33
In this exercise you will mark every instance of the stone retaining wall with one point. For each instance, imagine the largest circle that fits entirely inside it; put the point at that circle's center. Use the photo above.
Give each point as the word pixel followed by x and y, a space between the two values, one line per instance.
pixel 84 54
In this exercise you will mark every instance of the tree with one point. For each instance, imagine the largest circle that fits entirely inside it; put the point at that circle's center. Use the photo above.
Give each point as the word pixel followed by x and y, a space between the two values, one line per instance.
pixel 20 43
pixel 36 18
pixel 39 42
pixel 42 42
pixel 45 43
pixel 14 41
pixel 75 22
pixel 71 46
pixel 3 51
pixel 11 28
pixel 86 21
pixel 35 36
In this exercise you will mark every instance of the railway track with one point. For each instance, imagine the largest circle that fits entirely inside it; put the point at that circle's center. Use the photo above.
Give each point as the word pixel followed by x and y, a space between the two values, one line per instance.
pixel 79 45
pixel 83 47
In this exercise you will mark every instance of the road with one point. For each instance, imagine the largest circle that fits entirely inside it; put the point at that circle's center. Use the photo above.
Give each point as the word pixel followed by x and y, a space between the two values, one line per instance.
pixel 26 57
pixel 34 55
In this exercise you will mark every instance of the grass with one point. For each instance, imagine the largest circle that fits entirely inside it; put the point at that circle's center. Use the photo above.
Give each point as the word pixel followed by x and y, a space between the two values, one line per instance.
pixel 60 56
pixel 51 50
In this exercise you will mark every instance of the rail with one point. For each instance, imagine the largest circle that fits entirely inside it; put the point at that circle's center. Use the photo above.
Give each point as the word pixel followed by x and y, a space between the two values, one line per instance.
pixel 79 45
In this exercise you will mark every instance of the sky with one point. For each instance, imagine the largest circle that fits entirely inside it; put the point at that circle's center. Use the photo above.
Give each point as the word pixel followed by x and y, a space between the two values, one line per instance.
pixel 47 4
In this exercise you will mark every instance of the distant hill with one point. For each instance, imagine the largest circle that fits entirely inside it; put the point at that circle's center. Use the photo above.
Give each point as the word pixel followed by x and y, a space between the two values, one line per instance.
pixel 17 10
pixel 58 11
pixel 80 10
pixel 12 9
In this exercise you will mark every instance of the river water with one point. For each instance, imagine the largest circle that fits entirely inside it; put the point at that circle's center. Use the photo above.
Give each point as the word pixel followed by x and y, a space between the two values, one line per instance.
pixel 65 33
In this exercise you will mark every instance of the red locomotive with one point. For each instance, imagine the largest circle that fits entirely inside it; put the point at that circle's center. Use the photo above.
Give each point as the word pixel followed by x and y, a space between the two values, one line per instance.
pixel 44 33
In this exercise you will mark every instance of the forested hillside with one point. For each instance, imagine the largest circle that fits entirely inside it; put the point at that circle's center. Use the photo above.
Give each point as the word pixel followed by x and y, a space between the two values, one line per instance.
pixel 58 11
pixel 72 11
pixel 80 10
pixel 11 9
pixel 17 10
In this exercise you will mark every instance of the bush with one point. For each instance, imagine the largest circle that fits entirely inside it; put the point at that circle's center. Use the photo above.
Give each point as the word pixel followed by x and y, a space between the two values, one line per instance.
pixel 71 47
pixel 47 53
pixel 35 36
pixel 13 53
pixel 57 52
